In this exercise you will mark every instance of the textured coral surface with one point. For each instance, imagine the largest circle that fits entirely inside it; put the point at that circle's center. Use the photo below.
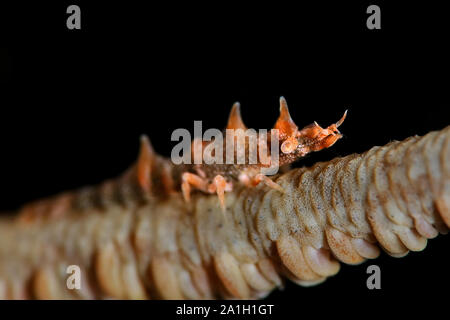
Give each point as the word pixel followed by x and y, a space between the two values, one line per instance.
pixel 134 245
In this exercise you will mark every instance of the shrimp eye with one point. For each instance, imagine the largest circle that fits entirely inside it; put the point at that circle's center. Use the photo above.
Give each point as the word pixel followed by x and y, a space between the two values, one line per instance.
pixel 289 145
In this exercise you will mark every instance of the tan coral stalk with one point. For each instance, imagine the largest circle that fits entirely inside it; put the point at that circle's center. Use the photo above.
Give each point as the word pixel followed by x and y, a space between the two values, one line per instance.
pixel 393 197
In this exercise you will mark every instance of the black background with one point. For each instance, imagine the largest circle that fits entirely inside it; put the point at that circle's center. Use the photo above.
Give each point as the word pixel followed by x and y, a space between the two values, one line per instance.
pixel 74 102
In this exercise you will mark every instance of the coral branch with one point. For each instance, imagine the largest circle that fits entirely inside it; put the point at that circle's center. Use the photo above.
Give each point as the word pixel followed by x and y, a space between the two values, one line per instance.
pixel 393 197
